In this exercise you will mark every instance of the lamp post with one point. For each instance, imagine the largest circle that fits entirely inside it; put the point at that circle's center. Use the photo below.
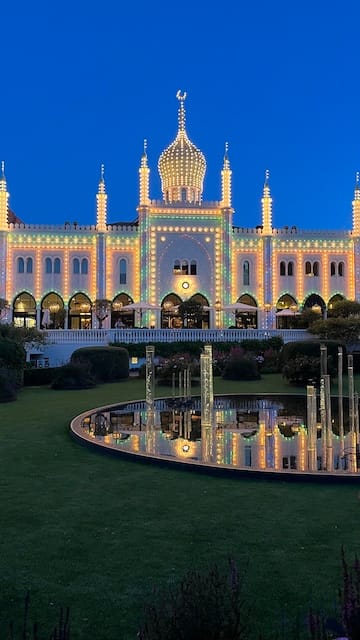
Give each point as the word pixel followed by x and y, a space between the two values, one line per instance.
pixel 217 313
pixel 267 309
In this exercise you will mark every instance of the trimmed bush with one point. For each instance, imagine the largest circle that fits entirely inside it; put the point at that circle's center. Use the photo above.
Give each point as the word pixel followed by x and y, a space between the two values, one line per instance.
pixel 303 370
pixel 241 369
pixel 106 364
pixel 74 376
pixel 311 348
pixel 36 377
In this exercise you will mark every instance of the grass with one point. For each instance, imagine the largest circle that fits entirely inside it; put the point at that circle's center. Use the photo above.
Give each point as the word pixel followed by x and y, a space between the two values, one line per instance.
pixel 95 533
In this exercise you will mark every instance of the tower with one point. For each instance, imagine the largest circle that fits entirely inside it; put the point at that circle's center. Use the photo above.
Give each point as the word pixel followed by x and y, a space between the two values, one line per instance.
pixel 101 203
pixel 266 206
pixel 144 178
pixel 226 180
pixel 356 206
pixel 4 200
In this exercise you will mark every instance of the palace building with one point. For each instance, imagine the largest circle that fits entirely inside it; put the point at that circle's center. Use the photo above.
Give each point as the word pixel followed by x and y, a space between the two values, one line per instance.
pixel 180 248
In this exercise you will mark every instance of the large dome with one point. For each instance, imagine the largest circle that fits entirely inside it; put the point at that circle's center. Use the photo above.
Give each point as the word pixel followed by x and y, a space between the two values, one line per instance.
pixel 182 165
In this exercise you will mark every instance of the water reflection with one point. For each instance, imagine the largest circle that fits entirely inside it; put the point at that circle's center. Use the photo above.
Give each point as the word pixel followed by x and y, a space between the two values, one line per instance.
pixel 246 433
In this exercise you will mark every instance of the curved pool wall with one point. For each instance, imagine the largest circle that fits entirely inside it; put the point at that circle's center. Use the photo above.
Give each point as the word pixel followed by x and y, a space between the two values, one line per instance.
pixel 250 437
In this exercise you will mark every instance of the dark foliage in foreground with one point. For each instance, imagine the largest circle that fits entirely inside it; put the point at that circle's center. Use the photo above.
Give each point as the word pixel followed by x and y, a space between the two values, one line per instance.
pixel 106 364
pixel 74 376
pixel 30 631
pixel 209 605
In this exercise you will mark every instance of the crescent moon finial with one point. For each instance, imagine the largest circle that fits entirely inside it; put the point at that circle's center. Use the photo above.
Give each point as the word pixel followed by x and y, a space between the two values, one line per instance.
pixel 180 97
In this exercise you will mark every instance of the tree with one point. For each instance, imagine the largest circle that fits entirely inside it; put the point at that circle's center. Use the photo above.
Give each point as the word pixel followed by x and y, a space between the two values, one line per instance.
pixel 344 309
pixel 4 305
pixel 102 308
pixel 191 312
pixel 345 329
pixel 23 335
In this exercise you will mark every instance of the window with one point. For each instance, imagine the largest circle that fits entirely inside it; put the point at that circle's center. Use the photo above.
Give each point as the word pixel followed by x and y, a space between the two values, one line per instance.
pixel 48 265
pixel 57 265
pixel 185 267
pixel 282 268
pixel 20 265
pixel 246 273
pixel 333 269
pixel 308 270
pixel 193 268
pixel 123 269
pixel 290 269
pixel 84 266
pixel 316 269
pixel 341 269
pixel 76 265
pixel 29 265
pixel 177 266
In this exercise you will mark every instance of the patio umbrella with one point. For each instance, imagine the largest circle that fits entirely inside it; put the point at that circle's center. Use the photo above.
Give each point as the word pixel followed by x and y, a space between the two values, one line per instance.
pixel 240 306
pixel 287 313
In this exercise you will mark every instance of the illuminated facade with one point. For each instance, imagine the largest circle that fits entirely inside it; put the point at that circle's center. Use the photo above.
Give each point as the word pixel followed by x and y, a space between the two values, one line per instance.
pixel 179 248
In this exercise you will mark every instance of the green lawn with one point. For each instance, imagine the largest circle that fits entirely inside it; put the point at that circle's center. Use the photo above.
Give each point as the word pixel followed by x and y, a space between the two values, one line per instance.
pixel 96 533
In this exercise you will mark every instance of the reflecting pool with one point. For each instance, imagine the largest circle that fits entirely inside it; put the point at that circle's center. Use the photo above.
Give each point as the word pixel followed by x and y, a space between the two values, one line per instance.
pixel 248 433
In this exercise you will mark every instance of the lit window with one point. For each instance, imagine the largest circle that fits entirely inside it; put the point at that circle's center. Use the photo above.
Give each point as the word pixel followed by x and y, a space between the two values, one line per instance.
pixel 177 268
pixel 290 269
pixel 341 269
pixel 282 268
pixel 185 267
pixel 308 270
pixel 316 269
pixel 193 268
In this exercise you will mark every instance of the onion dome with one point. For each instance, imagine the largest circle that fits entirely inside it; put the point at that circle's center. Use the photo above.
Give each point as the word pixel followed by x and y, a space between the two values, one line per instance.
pixel 182 166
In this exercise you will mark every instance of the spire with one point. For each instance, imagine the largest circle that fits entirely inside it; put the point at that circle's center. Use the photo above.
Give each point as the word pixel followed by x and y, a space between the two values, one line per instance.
pixel 226 179
pixel 181 114
pixel 144 178
pixel 4 199
pixel 266 205
pixel 356 205
pixel 101 202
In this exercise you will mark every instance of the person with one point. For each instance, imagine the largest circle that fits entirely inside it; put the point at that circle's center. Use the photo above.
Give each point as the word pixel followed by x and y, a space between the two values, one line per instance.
pixel 119 324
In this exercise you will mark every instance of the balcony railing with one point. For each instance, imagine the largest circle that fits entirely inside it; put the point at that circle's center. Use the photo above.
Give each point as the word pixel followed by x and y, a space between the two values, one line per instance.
pixel 106 336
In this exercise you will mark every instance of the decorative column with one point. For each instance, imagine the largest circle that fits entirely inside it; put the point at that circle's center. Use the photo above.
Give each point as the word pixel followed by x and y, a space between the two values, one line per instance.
pixel 207 402
pixel 150 394
pixel 341 400
pixel 352 435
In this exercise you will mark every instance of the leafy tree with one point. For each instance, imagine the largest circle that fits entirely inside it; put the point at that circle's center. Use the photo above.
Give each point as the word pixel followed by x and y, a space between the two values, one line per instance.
pixel 345 329
pixel 344 309
pixel 22 335
pixel 191 312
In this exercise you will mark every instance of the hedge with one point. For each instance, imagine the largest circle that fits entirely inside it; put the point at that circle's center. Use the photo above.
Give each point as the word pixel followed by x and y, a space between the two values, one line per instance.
pixel 311 349
pixel 106 364
pixel 37 377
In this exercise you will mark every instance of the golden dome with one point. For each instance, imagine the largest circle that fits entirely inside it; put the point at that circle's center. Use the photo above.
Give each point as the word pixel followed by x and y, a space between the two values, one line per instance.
pixel 182 165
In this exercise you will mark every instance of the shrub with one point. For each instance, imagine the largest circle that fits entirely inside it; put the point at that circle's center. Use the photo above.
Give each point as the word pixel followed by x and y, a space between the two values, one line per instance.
pixel 209 605
pixel 8 385
pixel 303 369
pixel 36 377
pixel 241 369
pixel 175 364
pixel 74 376
pixel 311 348
pixel 12 356
pixel 106 364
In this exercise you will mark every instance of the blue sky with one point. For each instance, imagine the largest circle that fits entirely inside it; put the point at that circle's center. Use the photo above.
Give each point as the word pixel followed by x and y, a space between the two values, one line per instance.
pixel 85 82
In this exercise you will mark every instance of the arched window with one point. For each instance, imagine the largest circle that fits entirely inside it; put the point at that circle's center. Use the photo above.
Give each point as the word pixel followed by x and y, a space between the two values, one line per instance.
pixel 57 265
pixel 183 195
pixel 333 268
pixel 122 269
pixel 341 269
pixel 29 265
pixel 193 268
pixel 282 268
pixel 84 266
pixel 177 268
pixel 308 270
pixel 20 265
pixel 316 269
pixel 48 265
pixel 76 265
pixel 246 273
pixel 290 269
pixel 184 267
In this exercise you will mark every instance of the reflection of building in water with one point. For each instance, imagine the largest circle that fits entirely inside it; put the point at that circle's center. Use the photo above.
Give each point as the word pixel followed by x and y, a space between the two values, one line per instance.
pixel 244 434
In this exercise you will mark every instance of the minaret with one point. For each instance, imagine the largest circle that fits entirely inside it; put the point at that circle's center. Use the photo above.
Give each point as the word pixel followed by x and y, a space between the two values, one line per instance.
pixel 144 176
pixel 4 200
pixel 266 206
pixel 356 206
pixel 101 203
pixel 226 180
